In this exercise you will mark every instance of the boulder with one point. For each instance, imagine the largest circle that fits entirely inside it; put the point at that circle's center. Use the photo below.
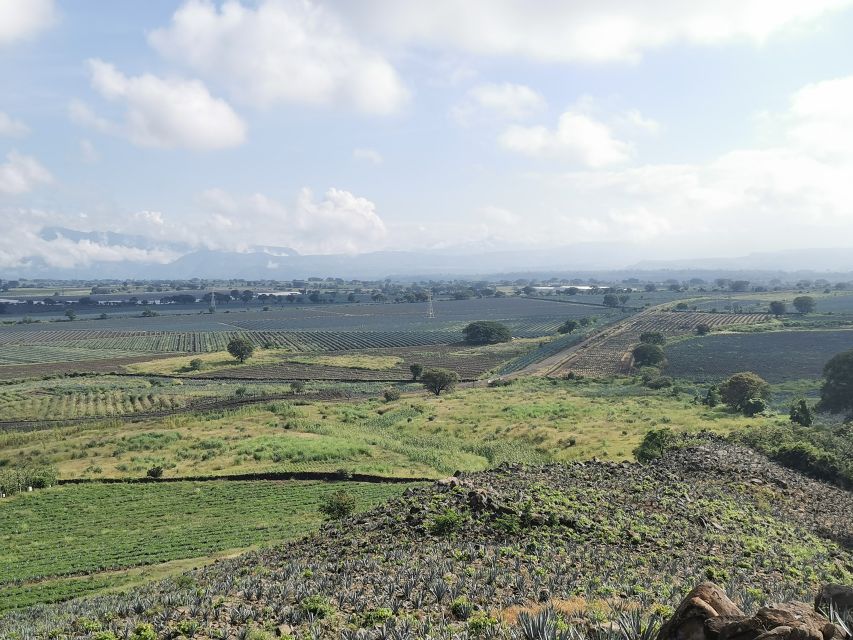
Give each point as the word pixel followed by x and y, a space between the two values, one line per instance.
pixel 705 602
pixel 708 614
pixel 837 595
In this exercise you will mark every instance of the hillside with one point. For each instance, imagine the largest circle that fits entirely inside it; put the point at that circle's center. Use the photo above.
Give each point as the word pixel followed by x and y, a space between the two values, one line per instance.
pixel 594 541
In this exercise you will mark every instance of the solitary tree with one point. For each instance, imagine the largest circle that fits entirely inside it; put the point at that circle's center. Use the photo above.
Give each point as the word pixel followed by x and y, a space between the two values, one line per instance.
pixel 611 300
pixel 569 326
pixel 703 329
pixel 417 370
pixel 738 390
pixel 648 355
pixel 777 308
pixel 836 395
pixel 801 413
pixel 438 380
pixel 486 332
pixel 70 314
pixel 805 304
pixel 623 300
pixel 241 349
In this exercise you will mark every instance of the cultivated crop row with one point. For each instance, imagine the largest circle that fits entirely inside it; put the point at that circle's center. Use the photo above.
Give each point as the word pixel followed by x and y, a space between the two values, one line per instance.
pixel 610 352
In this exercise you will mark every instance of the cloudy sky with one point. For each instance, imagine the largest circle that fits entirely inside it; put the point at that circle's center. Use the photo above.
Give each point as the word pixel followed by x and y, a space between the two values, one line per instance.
pixel 688 128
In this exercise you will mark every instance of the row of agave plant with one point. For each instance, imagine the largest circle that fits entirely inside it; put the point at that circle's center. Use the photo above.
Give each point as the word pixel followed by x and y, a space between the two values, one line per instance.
pixel 450 590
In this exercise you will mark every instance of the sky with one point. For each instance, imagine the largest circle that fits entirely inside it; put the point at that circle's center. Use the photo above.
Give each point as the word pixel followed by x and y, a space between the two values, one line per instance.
pixel 708 128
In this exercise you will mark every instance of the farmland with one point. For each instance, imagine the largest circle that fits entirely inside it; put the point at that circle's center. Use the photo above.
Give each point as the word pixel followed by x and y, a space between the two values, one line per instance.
pixel 609 352
pixel 531 420
pixel 777 356
pixel 52 537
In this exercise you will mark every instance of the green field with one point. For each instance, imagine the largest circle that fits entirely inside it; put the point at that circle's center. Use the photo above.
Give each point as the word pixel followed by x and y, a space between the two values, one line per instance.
pixel 777 356
pixel 50 538
pixel 534 420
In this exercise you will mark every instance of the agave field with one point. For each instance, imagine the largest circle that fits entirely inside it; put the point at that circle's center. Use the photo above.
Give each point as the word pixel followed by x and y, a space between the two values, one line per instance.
pixel 596 550
pixel 777 356
pixel 608 353
pixel 68 531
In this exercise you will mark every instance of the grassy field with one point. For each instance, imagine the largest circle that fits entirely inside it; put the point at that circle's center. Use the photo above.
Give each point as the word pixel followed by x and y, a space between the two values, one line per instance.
pixel 214 361
pixel 67 541
pixel 422 435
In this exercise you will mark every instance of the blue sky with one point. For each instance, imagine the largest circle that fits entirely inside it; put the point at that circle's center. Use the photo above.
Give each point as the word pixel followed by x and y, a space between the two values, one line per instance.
pixel 702 128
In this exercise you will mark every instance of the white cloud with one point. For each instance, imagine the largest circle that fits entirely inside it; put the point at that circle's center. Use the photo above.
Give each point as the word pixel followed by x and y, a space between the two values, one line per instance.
pixel 578 138
pixel 11 127
pixel 21 174
pixel 368 155
pixel 581 30
pixel 634 120
pixel 24 19
pixel 282 51
pixel 161 112
pixel 339 223
pixel 505 100
pixel 820 118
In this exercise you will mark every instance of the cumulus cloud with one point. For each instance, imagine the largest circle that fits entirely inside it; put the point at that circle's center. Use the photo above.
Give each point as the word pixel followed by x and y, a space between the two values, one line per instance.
pixel 582 30
pixel 503 100
pixel 21 174
pixel 281 51
pixel 11 127
pixel 160 112
pixel 578 138
pixel 819 119
pixel 339 223
pixel 368 155
pixel 24 19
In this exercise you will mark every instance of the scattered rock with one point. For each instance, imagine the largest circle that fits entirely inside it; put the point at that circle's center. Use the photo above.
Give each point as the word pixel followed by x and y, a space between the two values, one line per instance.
pixel 706 613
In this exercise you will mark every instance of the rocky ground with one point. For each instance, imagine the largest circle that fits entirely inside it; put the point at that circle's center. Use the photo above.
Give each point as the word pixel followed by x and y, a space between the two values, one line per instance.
pixel 594 549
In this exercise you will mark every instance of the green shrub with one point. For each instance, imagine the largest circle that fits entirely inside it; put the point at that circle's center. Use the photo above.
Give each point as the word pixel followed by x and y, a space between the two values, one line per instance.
pixel 754 406
pixel 375 617
pixel 447 523
pixel 801 413
pixel 339 505
pixel 297 386
pixel 155 472
pixel 196 364
pixel 461 608
pixel 317 606
pixel 486 332
pixel 391 394
pixel 144 631
pixel 655 444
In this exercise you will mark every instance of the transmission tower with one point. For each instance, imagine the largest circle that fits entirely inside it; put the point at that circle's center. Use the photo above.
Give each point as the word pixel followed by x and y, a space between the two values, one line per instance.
pixel 430 308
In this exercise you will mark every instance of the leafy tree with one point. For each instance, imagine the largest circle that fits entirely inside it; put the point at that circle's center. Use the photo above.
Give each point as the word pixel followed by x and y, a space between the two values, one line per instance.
pixel 486 332
pixel 777 308
pixel 438 380
pixel 155 472
pixel 297 386
pixel 801 413
pixel 652 337
pixel 339 505
pixel 585 322
pixel 241 349
pixel 196 364
pixel 70 314
pixel 417 370
pixel 703 329
pixel 738 390
pixel 805 304
pixel 713 397
pixel 836 394
pixel 655 444
pixel 623 300
pixel 739 285
pixel 569 326
pixel 611 300
pixel 648 355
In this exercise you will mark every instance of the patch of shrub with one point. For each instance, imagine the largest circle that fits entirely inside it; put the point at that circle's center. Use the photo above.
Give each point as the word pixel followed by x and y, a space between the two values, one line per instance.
pixel 447 523
pixel 391 394
pixel 339 505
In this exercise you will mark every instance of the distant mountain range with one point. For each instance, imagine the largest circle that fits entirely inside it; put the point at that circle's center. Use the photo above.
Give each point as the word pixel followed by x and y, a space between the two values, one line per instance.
pixel 283 263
